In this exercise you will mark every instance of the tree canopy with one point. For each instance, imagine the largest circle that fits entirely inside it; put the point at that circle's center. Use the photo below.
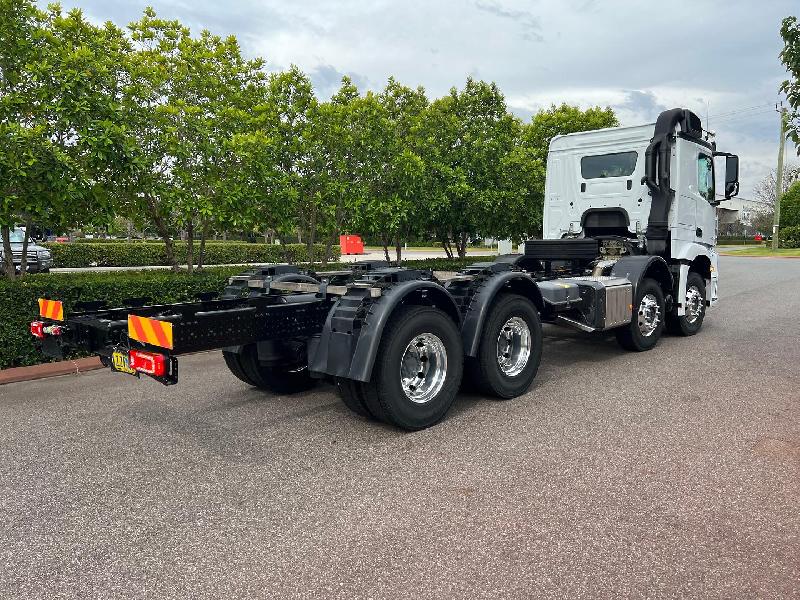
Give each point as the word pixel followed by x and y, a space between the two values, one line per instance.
pixel 183 135
pixel 790 56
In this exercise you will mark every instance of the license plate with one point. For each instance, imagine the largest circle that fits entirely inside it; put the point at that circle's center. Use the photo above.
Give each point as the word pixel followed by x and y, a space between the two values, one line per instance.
pixel 119 362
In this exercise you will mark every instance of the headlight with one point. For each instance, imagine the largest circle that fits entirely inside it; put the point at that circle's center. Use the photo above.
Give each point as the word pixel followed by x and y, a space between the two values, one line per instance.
pixel 44 254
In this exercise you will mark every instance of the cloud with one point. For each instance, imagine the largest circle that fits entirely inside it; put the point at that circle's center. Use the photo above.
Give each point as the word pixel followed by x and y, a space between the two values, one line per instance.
pixel 327 80
pixel 530 24
pixel 719 56
pixel 642 103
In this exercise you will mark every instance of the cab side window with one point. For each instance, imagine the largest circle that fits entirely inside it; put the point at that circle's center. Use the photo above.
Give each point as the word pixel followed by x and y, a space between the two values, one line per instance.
pixel 705 177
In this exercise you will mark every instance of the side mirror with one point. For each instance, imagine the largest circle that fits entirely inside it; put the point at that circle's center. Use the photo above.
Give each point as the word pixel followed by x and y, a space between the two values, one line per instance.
pixel 731 176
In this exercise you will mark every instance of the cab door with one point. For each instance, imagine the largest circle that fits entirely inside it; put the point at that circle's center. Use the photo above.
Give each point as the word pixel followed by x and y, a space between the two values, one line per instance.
pixel 684 182
pixel 706 209
pixel 695 213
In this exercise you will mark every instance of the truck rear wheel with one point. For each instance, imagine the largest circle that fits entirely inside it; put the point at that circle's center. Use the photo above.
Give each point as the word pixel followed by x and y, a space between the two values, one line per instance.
pixel 283 379
pixel 695 304
pixel 647 324
pixel 418 369
pixel 352 396
pixel 235 367
pixel 510 348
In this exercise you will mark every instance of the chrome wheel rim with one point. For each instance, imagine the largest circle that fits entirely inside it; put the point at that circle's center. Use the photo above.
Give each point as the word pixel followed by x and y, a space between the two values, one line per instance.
pixel 513 346
pixel 694 304
pixel 649 315
pixel 423 368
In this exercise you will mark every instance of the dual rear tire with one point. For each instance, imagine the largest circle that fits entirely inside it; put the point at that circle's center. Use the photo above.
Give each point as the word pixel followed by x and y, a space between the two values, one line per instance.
pixel 420 362
pixel 285 379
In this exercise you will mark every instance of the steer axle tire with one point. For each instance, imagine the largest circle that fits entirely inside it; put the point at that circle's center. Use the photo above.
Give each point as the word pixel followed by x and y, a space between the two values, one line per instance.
pixel 647 322
pixel 695 306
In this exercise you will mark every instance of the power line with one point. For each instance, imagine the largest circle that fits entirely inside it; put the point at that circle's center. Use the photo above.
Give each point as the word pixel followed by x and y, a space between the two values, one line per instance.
pixel 740 117
pixel 743 109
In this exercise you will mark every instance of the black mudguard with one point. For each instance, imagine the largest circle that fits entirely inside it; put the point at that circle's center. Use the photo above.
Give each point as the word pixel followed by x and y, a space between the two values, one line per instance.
pixel 636 268
pixel 479 299
pixel 352 334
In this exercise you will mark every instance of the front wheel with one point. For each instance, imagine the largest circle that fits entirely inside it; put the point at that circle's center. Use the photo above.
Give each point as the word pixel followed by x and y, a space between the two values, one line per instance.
pixel 695 307
pixel 647 324
pixel 417 370
pixel 510 348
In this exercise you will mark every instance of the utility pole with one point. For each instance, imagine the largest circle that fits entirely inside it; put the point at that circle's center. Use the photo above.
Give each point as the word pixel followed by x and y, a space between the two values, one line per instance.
pixel 779 177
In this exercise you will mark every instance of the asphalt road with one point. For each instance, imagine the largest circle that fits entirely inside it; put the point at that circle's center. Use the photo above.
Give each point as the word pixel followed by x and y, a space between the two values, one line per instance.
pixel 674 473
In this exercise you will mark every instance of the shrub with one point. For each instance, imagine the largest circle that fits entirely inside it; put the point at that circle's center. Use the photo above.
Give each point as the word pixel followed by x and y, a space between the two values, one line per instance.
pixel 140 254
pixel 789 237
pixel 18 298
pixel 790 207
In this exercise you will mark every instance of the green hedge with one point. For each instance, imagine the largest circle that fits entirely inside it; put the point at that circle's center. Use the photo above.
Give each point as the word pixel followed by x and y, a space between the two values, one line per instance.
pixel 18 299
pixel 789 237
pixel 141 254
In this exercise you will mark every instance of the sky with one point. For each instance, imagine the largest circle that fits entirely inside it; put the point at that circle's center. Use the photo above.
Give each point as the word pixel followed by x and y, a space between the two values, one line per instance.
pixel 716 57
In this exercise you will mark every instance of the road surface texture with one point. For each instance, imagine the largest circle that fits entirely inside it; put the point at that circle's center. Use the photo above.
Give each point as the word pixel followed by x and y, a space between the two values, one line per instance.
pixel 673 473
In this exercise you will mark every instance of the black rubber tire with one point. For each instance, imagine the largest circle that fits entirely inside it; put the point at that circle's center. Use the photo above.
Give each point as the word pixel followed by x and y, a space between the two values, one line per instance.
pixel 384 395
pixel 629 336
pixel 289 379
pixel 679 325
pixel 352 396
pixel 235 367
pixel 484 371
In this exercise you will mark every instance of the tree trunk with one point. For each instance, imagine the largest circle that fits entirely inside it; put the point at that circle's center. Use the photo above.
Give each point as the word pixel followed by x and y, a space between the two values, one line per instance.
pixel 461 245
pixel 190 246
pixel 328 248
pixel 23 265
pixel 312 234
pixel 201 256
pixel 385 244
pixel 398 250
pixel 444 240
pixel 8 258
pixel 164 234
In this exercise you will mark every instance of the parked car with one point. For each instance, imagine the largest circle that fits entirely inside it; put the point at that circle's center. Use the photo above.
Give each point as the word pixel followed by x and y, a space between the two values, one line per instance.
pixel 39 257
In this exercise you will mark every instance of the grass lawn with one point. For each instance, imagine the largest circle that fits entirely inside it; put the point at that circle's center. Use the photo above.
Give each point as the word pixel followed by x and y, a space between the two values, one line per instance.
pixel 761 251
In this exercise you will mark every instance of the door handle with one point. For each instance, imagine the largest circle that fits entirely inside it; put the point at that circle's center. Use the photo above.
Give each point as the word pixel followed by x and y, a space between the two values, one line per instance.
pixel 698 232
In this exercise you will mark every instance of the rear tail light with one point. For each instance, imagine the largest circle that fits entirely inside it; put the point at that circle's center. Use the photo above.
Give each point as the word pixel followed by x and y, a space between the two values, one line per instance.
pixel 149 363
pixel 37 329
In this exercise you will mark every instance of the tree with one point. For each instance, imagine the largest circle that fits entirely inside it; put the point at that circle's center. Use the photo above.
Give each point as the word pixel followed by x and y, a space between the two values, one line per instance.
pixel 790 56
pixel 762 222
pixel 790 206
pixel 61 136
pixel 765 189
pixel 464 138
pixel 185 99
pixel 393 169
pixel 337 157
pixel 213 87
pixel 564 119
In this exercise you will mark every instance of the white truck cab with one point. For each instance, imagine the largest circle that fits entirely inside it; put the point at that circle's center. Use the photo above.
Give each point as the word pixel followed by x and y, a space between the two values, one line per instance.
pixel 649 187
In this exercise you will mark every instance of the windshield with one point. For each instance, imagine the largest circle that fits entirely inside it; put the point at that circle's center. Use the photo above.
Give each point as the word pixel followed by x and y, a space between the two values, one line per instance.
pixel 17 236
